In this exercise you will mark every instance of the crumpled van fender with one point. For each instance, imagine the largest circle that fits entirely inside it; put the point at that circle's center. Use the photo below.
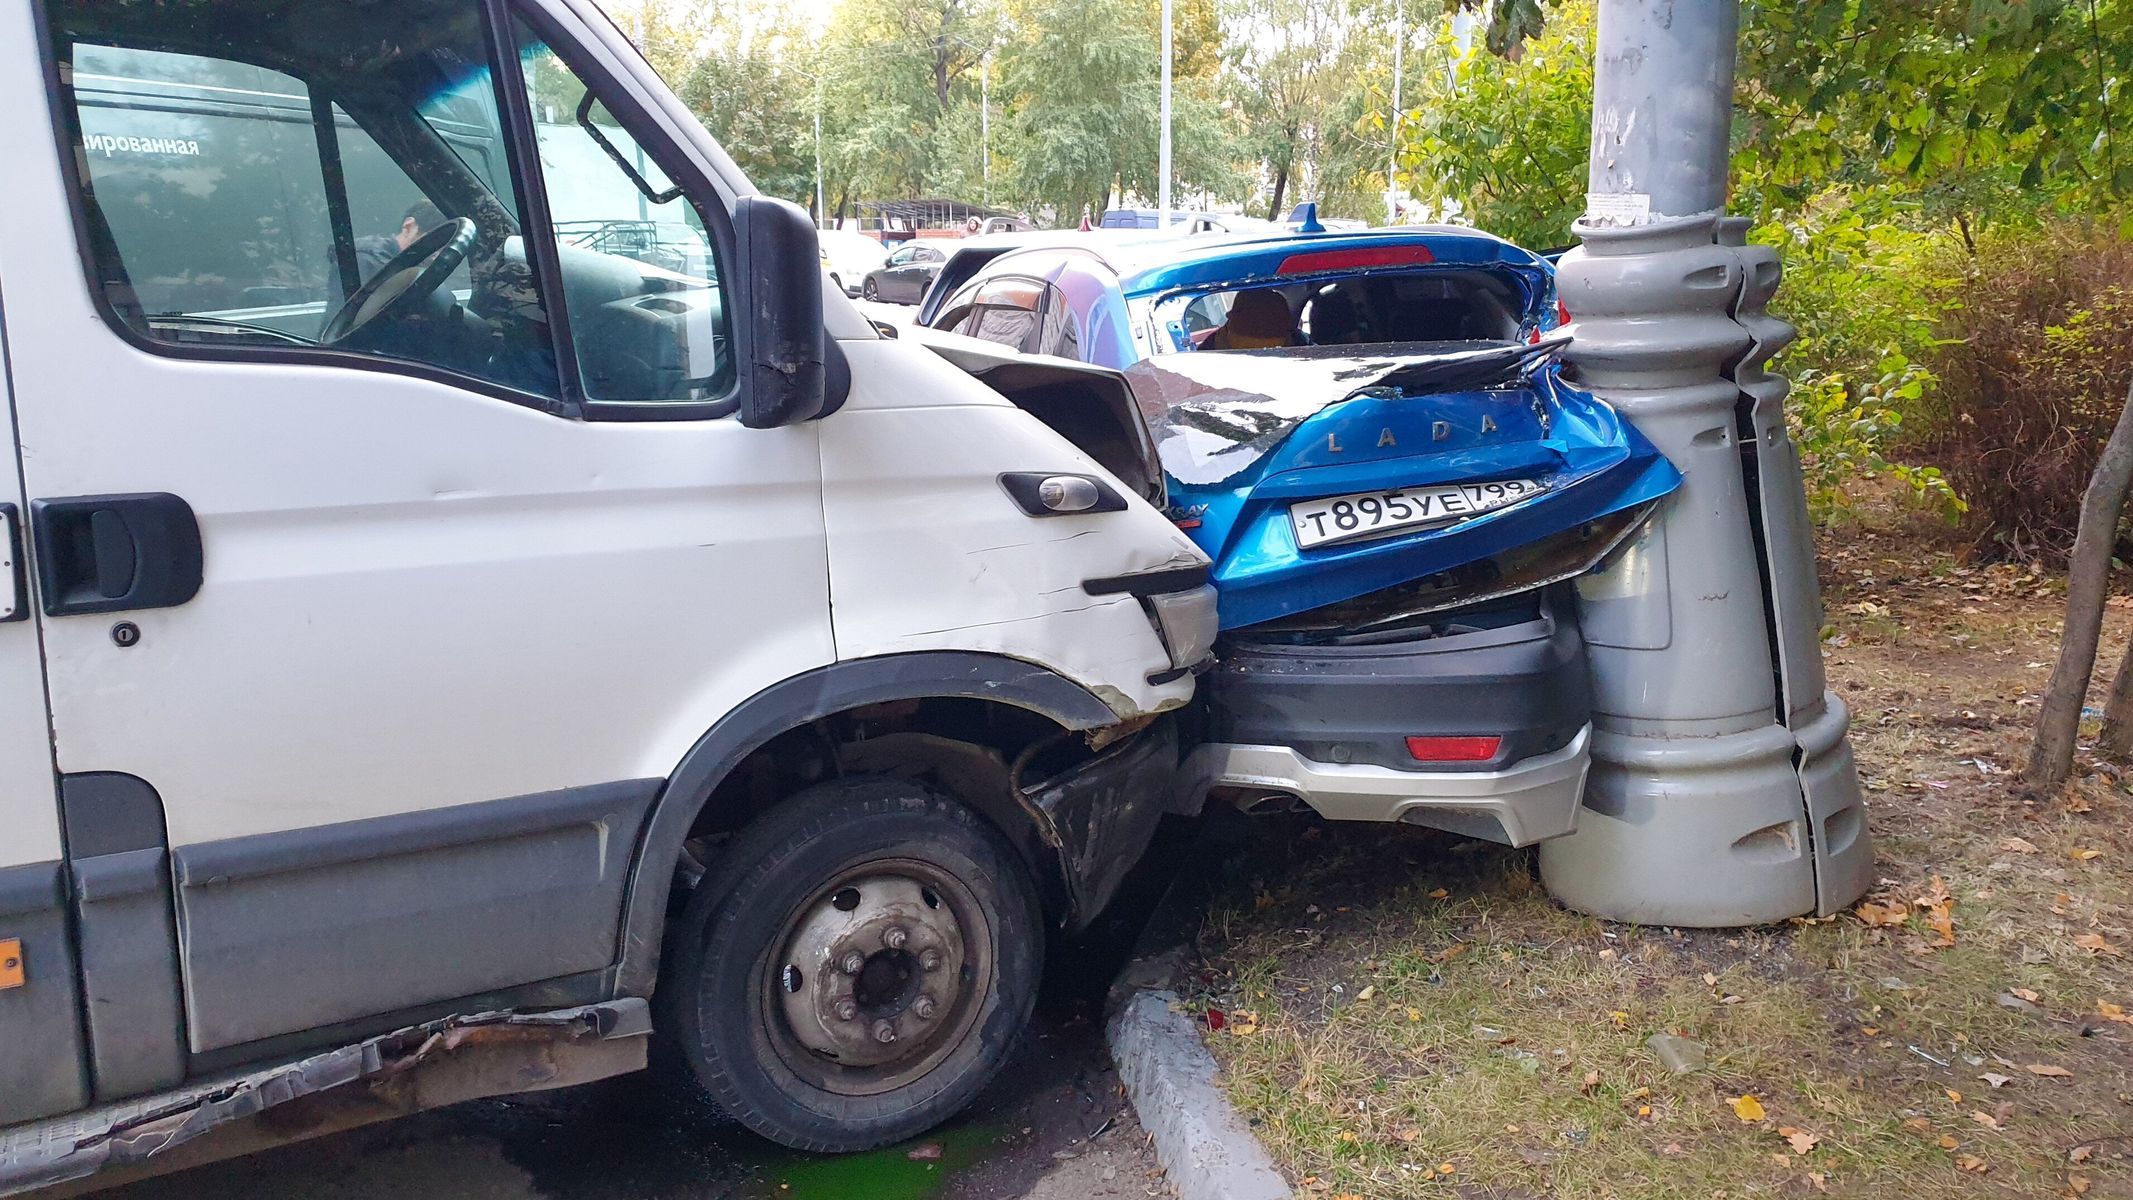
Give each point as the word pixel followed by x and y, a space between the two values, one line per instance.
pixel 793 703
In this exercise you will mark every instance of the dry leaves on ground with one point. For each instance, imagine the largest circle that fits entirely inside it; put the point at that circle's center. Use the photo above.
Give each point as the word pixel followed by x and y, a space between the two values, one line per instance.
pixel 1747 1108
pixel 1800 1140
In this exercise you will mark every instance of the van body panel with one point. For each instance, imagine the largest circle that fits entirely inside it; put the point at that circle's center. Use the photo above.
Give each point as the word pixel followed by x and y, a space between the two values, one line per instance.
pixel 1005 583
pixel 424 732
pixel 43 1052
pixel 415 597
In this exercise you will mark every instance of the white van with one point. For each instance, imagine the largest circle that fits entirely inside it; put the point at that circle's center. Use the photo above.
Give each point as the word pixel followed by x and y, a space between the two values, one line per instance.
pixel 464 576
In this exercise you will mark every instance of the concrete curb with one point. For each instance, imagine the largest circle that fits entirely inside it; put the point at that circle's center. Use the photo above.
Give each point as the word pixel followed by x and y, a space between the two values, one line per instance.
pixel 1170 1078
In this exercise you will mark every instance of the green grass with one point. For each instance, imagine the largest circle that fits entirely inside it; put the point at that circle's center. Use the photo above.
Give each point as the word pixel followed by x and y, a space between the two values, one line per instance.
pixel 1520 1061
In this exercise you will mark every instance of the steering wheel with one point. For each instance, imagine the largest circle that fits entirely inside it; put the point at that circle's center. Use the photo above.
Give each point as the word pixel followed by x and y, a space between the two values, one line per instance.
pixel 404 281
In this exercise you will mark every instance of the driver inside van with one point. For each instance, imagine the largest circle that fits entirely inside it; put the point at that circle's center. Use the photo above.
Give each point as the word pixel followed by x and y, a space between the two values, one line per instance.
pixel 373 251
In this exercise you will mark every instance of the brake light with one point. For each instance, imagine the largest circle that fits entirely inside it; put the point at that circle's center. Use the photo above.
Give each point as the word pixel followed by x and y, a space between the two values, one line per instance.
pixel 1562 312
pixel 1454 749
pixel 1355 258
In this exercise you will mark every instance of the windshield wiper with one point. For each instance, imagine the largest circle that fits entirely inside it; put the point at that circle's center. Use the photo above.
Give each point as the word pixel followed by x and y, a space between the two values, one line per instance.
pixel 176 318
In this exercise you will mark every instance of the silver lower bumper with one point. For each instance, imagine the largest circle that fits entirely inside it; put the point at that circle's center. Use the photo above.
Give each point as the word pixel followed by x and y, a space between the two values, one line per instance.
pixel 1527 802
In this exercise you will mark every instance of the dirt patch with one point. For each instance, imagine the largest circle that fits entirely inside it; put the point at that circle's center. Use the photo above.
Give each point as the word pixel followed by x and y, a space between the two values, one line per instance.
pixel 1405 1014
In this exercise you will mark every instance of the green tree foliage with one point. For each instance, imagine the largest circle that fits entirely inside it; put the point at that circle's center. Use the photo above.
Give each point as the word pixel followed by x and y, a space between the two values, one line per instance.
pixel 1289 63
pixel 1503 139
pixel 750 86
pixel 1082 81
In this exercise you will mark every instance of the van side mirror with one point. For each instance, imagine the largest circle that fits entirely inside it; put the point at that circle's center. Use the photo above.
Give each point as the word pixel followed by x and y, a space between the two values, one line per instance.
pixel 785 355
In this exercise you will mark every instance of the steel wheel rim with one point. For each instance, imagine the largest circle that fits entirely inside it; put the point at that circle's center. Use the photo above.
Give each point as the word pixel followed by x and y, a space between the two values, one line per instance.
pixel 824 1020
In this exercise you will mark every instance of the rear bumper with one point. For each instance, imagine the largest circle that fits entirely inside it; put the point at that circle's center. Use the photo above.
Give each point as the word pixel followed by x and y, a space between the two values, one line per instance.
pixel 1527 802
pixel 1328 724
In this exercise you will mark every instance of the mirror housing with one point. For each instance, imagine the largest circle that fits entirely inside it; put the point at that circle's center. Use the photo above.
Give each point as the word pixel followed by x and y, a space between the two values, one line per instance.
pixel 787 375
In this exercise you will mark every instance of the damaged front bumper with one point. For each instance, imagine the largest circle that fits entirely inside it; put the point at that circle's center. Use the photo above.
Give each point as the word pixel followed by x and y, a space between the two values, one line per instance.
pixel 1100 813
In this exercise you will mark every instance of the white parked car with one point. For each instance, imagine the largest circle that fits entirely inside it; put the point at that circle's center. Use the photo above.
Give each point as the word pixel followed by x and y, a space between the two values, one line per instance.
pixel 851 255
pixel 456 602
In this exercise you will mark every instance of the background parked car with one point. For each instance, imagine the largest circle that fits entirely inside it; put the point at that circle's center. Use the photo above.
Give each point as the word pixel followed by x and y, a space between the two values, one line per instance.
pixel 905 275
pixel 1141 218
pixel 849 255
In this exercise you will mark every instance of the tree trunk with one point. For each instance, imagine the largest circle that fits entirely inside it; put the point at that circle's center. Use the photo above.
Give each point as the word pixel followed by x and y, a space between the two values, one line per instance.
pixel 2088 576
pixel 1281 186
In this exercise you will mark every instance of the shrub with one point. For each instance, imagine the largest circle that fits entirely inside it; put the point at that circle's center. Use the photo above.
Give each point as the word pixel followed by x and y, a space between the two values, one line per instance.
pixel 1867 293
pixel 2033 373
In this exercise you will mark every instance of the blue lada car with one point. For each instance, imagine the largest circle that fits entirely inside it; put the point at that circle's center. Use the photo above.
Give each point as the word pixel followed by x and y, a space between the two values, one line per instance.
pixel 1371 436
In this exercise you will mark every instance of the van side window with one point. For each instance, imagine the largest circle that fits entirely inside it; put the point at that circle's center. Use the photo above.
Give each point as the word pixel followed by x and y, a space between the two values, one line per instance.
pixel 248 192
pixel 640 278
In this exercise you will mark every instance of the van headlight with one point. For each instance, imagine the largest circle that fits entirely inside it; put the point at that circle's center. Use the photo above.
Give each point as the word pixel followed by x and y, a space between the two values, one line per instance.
pixel 1187 621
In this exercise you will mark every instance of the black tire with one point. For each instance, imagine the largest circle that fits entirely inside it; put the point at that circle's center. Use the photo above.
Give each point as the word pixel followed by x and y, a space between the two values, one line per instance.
pixel 867 290
pixel 724 992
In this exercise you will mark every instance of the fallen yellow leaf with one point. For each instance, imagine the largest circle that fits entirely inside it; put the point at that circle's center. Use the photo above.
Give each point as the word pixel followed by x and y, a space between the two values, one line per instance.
pixel 1621 1019
pixel 1643 1111
pixel 1880 914
pixel 1410 1136
pixel 1972 1163
pixel 2015 845
pixel 1366 993
pixel 2113 1012
pixel 1946 1142
pixel 1243 1029
pixel 1954 1097
pixel 2049 1072
pixel 2023 994
pixel 1438 893
pixel 2094 944
pixel 2077 1186
pixel 1345 1135
pixel 1414 1014
pixel 1985 1118
pixel 2081 855
pixel 1445 1168
pixel 2080 1153
pixel 1801 1141
pixel 1450 952
pixel 1747 1108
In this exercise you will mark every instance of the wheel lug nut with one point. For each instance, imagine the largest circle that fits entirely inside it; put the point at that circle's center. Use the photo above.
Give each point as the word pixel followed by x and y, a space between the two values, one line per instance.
pixel 847 1010
pixel 930 960
pixel 852 963
pixel 922 1008
pixel 884 1032
pixel 894 937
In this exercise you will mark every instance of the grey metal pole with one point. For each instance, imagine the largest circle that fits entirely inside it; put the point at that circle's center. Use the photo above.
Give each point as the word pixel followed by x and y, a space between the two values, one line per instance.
pixel 1162 183
pixel 985 124
pixel 821 204
pixel 1723 790
pixel 1392 153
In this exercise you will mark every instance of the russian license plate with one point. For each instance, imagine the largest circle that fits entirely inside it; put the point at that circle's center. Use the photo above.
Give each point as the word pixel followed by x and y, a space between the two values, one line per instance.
pixel 1369 513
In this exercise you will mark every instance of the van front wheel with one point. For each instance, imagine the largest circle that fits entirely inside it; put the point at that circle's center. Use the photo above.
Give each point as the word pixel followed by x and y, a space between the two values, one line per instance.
pixel 857 967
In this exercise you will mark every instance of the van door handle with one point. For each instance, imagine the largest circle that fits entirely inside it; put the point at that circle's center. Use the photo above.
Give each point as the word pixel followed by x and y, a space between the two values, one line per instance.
pixel 14 593
pixel 113 553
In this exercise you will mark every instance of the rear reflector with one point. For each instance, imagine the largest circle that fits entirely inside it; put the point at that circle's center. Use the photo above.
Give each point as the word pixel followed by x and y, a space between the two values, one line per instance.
pixel 1453 749
pixel 1355 258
